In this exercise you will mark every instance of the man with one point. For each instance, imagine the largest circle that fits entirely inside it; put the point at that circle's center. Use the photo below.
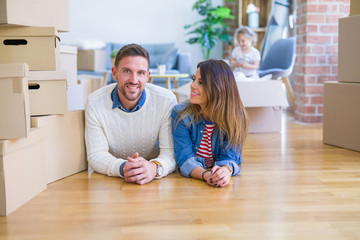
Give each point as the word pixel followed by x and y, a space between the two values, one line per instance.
pixel 128 125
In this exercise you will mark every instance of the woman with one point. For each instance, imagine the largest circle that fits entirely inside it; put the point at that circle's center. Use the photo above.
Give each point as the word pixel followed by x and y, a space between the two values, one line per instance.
pixel 210 128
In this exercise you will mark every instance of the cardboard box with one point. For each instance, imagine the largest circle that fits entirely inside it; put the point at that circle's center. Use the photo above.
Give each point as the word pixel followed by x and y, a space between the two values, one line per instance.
pixel 342 115
pixel 22 170
pixel 349 50
pixel 354 7
pixel 68 56
pixel 39 47
pixel 14 101
pixel 264 119
pixel 37 13
pixel 93 60
pixel 90 83
pixel 75 98
pixel 263 100
pixel 47 91
pixel 267 93
pixel 65 144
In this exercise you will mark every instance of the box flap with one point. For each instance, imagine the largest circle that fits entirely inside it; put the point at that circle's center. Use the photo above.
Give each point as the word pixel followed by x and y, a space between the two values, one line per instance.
pixel 14 70
pixel 68 49
pixel 47 75
pixel 28 31
pixel 259 93
pixel 8 146
pixel 262 93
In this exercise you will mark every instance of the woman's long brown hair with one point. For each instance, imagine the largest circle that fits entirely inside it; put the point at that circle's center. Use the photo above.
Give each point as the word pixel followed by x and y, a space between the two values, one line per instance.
pixel 223 103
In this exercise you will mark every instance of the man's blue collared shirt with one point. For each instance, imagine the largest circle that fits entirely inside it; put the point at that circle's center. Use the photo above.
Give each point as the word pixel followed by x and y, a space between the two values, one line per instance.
pixel 117 103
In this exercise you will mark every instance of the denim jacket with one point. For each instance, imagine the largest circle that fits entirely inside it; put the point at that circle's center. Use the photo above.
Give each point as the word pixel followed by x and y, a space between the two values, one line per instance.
pixel 187 138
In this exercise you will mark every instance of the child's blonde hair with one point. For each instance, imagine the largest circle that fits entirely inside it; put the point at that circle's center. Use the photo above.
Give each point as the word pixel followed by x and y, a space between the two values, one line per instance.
pixel 249 33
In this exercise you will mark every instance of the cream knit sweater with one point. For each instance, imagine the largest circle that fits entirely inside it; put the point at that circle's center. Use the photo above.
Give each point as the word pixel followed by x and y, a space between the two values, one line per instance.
pixel 111 135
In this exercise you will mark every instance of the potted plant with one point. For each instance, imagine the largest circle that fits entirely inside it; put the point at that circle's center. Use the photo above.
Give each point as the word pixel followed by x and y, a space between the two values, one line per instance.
pixel 113 56
pixel 211 28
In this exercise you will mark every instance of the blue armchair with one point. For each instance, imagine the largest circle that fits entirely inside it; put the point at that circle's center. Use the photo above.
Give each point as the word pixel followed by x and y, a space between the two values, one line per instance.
pixel 279 62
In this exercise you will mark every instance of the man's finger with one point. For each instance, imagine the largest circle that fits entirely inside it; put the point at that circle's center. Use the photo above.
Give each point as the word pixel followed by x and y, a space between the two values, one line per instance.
pixel 131 165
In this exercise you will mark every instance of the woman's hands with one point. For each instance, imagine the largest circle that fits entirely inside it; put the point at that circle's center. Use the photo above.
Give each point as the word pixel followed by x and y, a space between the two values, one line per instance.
pixel 218 176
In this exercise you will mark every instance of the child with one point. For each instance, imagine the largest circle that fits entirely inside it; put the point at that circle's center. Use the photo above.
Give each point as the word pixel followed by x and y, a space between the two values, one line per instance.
pixel 210 128
pixel 245 58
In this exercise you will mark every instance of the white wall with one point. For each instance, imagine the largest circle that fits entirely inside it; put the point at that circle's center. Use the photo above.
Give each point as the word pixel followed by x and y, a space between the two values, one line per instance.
pixel 135 21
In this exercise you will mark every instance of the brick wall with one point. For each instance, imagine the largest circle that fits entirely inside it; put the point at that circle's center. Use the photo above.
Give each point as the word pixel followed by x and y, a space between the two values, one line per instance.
pixel 316 62
pixel 317 46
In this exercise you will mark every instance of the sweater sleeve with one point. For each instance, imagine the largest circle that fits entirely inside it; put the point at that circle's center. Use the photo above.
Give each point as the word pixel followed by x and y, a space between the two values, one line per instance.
pixel 166 157
pixel 97 147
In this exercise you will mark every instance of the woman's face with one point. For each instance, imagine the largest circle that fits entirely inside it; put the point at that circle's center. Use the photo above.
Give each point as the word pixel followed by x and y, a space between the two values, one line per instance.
pixel 197 93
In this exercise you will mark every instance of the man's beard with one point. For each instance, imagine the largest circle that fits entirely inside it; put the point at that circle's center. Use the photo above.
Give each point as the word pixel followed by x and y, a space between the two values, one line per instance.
pixel 125 94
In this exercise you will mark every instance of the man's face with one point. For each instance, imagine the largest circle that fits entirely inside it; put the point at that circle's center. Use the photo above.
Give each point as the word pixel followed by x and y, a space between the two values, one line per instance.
pixel 131 75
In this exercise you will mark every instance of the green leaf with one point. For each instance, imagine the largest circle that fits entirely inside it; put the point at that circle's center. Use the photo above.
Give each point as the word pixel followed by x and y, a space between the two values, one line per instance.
pixel 211 28
pixel 114 53
pixel 223 12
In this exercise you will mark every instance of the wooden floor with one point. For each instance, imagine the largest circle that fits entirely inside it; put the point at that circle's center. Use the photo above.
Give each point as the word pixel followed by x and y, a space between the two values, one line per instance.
pixel 292 186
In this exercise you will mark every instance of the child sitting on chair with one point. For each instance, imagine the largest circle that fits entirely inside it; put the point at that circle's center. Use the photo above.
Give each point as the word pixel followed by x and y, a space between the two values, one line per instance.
pixel 245 58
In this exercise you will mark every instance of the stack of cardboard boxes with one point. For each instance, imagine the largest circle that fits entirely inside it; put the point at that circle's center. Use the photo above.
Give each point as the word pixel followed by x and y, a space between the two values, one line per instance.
pixel 342 98
pixel 93 60
pixel 41 102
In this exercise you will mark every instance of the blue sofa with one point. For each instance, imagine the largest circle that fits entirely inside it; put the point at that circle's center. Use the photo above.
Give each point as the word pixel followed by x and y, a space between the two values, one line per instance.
pixel 163 53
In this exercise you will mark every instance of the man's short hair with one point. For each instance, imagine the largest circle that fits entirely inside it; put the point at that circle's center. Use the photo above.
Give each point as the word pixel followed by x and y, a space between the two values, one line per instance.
pixel 132 50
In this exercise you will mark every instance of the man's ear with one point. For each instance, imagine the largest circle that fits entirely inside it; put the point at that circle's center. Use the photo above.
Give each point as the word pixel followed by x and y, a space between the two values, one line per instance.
pixel 113 72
